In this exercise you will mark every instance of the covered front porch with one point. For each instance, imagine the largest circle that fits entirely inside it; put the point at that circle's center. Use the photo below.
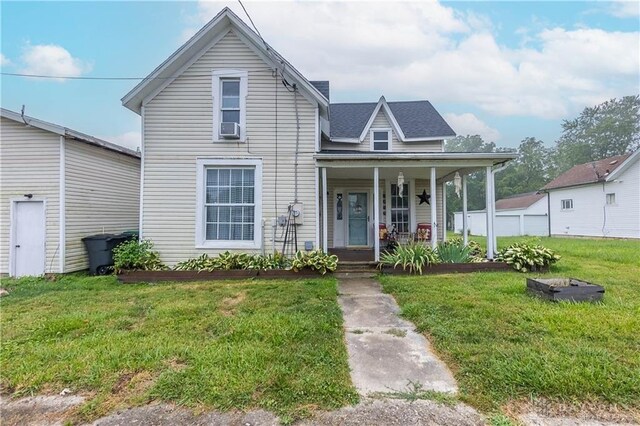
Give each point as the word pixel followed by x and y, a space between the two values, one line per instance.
pixel 367 198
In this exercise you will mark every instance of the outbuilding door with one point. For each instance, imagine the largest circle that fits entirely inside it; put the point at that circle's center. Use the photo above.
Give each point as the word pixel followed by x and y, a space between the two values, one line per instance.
pixel 28 238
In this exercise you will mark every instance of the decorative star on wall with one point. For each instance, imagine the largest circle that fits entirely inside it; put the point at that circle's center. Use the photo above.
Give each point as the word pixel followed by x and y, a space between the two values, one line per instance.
pixel 424 197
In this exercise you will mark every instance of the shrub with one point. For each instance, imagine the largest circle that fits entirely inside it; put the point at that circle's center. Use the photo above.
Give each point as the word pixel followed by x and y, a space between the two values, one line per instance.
pixel 316 260
pixel 270 261
pixel 229 260
pixel 413 256
pixel 526 257
pixel 200 263
pixel 454 252
pixel 137 255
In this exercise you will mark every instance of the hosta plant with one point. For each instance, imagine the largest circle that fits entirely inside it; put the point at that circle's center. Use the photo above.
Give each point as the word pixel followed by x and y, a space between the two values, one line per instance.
pixel 475 249
pixel 526 257
pixel 316 260
pixel 134 255
pixel 412 257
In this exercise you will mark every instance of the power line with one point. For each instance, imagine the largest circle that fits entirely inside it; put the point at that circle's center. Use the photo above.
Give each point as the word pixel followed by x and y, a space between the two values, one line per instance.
pixel 251 20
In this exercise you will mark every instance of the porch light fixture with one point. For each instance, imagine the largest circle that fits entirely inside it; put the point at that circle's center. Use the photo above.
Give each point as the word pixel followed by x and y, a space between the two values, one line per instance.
pixel 400 184
pixel 457 183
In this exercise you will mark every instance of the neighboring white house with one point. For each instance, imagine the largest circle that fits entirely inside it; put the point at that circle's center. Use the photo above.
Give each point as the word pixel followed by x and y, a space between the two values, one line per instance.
pixel 522 214
pixel 237 142
pixel 597 199
pixel 58 186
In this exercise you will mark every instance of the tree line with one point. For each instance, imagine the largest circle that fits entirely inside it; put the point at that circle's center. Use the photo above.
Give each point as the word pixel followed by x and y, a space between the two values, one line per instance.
pixel 605 130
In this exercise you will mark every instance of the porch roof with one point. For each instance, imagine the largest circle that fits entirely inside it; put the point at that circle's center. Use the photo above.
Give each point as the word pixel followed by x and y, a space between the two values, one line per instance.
pixel 412 159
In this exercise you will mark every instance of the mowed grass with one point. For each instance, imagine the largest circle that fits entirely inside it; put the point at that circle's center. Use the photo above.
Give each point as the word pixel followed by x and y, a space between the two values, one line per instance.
pixel 507 347
pixel 276 345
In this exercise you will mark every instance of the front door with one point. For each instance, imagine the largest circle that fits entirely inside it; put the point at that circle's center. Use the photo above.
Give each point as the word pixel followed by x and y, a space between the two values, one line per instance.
pixel 358 219
pixel 29 237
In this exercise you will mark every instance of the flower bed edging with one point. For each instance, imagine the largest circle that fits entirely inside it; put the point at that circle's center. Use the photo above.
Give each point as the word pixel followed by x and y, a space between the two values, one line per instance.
pixel 130 277
pixel 452 268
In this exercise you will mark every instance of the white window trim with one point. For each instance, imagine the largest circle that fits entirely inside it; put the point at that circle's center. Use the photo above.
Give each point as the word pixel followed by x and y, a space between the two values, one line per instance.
pixel 217 102
pixel 562 204
pixel 389 139
pixel 201 241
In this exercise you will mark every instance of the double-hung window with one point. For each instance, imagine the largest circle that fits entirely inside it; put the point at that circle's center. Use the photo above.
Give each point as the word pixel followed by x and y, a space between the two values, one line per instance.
pixel 566 204
pixel 229 92
pixel 400 208
pixel 229 204
pixel 230 100
pixel 381 140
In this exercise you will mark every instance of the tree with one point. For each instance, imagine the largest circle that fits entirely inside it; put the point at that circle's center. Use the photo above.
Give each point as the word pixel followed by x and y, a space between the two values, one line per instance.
pixel 611 128
pixel 529 172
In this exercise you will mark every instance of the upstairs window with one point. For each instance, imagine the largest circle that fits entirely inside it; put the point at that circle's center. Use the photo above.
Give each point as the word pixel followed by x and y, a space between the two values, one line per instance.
pixel 229 89
pixel 381 140
pixel 566 204
pixel 230 100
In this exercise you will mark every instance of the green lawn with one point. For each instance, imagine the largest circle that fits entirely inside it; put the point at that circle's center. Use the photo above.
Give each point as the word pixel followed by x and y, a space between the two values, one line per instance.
pixel 276 345
pixel 505 346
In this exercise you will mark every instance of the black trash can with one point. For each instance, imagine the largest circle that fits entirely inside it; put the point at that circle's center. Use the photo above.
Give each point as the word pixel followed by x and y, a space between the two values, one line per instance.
pixel 100 249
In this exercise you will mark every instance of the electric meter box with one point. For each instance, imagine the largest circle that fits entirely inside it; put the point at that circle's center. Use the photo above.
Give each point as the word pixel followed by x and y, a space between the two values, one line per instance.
pixel 297 211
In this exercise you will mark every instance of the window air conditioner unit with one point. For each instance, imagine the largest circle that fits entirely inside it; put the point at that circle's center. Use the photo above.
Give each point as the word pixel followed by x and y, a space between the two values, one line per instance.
pixel 230 130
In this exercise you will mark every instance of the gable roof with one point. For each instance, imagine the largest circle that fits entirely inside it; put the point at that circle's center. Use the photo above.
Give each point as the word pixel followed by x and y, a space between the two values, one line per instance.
pixel 519 201
pixel 323 87
pixel 592 172
pixel 66 132
pixel 199 44
pixel 417 120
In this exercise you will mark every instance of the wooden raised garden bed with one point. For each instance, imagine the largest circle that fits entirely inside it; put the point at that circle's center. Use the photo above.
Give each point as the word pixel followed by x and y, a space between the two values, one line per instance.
pixel 130 277
pixel 452 268
pixel 569 289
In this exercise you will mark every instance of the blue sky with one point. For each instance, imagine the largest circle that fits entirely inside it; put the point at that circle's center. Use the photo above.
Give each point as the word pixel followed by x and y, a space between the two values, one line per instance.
pixel 506 70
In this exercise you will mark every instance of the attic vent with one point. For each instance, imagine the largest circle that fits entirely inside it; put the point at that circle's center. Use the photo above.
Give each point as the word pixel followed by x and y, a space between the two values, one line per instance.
pixel 613 162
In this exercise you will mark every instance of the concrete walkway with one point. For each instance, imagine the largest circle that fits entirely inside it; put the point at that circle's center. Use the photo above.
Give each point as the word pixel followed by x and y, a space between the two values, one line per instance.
pixel 386 354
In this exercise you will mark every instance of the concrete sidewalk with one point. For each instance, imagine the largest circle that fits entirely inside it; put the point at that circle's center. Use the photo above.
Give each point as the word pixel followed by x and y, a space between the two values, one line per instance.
pixel 386 354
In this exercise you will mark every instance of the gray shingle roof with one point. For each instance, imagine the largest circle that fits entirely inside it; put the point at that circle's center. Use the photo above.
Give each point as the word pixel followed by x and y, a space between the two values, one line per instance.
pixel 323 87
pixel 417 119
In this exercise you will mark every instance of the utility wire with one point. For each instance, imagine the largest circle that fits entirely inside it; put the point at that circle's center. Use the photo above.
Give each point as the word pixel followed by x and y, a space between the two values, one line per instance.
pixel 251 20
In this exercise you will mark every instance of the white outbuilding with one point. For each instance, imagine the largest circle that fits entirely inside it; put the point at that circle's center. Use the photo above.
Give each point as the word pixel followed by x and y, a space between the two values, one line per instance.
pixel 58 186
pixel 522 214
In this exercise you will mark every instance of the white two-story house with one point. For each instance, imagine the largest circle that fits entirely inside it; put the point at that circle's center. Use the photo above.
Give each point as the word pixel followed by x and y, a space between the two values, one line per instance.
pixel 237 143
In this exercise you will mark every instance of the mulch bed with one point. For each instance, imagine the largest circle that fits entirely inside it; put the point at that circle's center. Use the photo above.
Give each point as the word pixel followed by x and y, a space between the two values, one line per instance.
pixel 130 277
pixel 452 268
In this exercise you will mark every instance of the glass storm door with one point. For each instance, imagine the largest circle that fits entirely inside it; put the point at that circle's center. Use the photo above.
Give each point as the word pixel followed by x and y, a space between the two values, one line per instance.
pixel 358 219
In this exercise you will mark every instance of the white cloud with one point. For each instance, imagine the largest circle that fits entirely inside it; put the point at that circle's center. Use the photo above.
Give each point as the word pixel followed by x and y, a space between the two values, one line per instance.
pixel 468 124
pixel 625 8
pixel 430 51
pixel 51 59
pixel 129 140
pixel 4 61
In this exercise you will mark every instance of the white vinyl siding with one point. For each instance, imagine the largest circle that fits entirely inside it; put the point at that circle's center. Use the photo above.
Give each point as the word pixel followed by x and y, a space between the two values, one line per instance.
pixel 178 130
pixel 30 164
pixel 592 216
pixel 381 122
pixel 102 191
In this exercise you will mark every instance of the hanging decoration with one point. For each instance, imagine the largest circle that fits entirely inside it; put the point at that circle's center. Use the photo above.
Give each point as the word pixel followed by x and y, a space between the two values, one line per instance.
pixel 424 197
pixel 400 184
pixel 457 183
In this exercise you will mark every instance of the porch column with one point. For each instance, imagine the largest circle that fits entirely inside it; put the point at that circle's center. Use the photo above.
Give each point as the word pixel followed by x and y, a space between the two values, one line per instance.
pixel 325 231
pixel 465 220
pixel 444 211
pixel 376 213
pixel 489 209
pixel 434 207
